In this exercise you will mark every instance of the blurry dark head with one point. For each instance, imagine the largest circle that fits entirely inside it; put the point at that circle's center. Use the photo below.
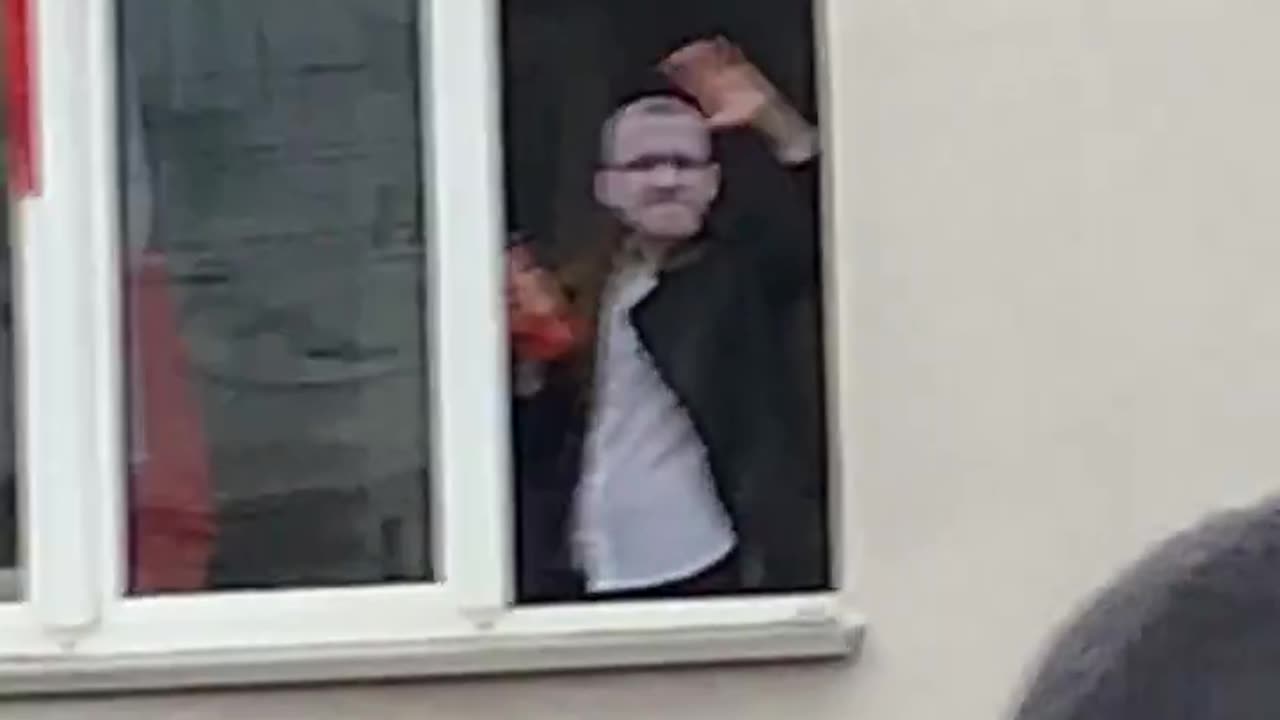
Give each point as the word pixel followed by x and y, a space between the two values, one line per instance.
pixel 1191 632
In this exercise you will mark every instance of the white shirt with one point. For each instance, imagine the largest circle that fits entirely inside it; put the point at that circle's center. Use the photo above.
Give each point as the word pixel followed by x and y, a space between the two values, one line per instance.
pixel 647 511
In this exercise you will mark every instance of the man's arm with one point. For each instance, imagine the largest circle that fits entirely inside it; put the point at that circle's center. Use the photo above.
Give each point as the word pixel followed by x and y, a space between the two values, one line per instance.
pixel 769 155
pixel 795 141
pixel 770 208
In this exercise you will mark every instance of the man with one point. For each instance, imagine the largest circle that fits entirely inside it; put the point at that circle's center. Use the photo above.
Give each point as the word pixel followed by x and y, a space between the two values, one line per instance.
pixel 682 471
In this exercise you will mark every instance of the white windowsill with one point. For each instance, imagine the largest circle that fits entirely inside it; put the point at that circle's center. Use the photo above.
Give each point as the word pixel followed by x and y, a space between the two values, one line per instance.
pixel 526 650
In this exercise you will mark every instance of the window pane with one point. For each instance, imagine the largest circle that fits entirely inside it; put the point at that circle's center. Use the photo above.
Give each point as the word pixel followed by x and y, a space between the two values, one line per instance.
pixel 274 275
pixel 9 582
pixel 668 414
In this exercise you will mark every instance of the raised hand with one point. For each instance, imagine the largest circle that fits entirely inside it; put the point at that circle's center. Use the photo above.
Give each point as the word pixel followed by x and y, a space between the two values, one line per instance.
pixel 731 90
pixel 733 93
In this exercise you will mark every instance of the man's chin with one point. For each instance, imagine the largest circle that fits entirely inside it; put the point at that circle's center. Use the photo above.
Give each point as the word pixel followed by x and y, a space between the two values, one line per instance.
pixel 671 231
pixel 671 223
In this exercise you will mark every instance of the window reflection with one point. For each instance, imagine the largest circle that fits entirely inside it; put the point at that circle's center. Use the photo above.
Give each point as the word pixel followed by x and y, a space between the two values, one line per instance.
pixel 275 293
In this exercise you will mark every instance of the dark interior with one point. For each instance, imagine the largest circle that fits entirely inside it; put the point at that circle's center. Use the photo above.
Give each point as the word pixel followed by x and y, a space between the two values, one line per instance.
pixel 565 61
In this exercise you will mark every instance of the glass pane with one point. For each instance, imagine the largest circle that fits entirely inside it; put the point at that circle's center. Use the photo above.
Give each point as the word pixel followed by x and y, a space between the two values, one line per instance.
pixel 662 185
pixel 9 582
pixel 274 275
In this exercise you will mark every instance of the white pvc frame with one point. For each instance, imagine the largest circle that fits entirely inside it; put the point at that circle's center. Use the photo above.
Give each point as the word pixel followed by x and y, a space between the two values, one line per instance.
pixel 76 630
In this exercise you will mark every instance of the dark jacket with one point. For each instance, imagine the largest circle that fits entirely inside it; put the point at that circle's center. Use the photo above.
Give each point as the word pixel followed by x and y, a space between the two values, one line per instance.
pixel 1191 632
pixel 717 327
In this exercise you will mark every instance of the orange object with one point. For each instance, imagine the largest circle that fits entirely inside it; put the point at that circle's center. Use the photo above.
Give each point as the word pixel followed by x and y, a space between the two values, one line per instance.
pixel 543 337
pixel 172 511
pixel 544 330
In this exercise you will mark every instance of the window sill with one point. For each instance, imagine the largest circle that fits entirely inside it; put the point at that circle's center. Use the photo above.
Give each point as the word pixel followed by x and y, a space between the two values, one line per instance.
pixel 527 640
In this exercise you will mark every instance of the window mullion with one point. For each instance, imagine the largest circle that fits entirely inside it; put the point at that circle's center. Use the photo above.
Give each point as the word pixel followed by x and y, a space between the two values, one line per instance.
pixel 467 321
pixel 103 276
pixel 65 320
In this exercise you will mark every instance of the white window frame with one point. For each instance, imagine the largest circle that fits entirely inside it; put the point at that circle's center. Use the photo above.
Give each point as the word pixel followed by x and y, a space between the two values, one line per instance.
pixel 75 630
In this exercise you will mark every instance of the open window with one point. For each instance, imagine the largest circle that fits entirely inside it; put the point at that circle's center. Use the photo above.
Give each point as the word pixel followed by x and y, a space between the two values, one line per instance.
pixel 284 413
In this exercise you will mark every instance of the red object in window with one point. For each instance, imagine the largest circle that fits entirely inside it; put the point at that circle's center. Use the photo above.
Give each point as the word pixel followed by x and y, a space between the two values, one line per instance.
pixel 173 524
pixel 20 102
pixel 543 338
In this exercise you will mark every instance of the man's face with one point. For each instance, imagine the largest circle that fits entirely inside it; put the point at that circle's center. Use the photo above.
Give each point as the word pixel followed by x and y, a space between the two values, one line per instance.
pixel 659 177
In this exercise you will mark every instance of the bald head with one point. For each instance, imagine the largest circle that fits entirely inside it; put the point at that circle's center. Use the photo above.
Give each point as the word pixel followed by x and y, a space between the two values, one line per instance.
pixel 652 110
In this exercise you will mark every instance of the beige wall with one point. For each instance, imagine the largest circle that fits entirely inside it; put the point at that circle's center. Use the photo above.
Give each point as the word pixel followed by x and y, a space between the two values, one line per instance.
pixel 1064 324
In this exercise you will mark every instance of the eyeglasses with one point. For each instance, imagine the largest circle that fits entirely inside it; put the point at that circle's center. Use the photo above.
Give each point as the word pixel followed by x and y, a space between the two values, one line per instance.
pixel 649 163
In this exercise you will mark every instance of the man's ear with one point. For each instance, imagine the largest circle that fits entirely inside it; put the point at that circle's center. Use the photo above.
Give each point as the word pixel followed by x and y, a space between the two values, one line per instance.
pixel 605 190
pixel 713 182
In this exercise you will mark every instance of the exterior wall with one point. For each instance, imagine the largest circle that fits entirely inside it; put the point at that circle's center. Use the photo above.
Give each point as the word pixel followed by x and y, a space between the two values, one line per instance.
pixel 1062 325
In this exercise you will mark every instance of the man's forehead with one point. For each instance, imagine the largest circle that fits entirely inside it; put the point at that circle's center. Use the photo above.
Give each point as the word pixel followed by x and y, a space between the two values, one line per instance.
pixel 682 128
pixel 659 105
